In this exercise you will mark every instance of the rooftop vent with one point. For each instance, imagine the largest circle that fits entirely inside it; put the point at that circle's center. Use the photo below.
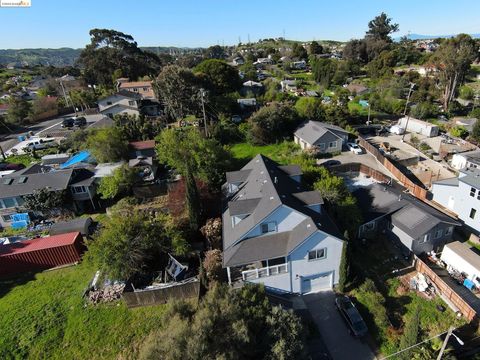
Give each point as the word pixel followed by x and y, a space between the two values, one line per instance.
pixel 275 180
pixel 271 197
pixel 264 181
pixel 308 226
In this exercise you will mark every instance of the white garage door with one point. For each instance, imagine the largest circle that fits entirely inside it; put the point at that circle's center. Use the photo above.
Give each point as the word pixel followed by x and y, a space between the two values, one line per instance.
pixel 316 283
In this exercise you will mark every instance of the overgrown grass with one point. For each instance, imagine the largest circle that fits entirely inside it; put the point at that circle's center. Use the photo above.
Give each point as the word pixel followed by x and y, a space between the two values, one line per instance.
pixel 44 316
pixel 281 152
pixel 25 159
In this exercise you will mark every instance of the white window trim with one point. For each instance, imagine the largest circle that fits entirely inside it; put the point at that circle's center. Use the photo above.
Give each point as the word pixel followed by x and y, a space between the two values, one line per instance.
pixel 269 223
pixel 330 144
pixel 75 191
pixel 316 254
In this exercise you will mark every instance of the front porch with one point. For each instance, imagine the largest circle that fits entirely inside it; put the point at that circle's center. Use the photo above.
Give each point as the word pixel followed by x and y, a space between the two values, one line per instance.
pixel 257 270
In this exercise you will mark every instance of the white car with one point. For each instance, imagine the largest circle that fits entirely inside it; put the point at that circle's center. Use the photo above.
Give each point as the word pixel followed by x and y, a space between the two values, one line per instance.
pixel 397 130
pixel 354 148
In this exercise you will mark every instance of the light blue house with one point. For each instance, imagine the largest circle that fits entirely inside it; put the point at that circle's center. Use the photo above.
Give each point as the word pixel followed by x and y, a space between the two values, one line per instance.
pixel 275 232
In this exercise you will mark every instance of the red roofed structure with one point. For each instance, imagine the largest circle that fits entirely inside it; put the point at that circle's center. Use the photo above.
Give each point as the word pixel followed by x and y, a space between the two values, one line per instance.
pixel 142 145
pixel 40 253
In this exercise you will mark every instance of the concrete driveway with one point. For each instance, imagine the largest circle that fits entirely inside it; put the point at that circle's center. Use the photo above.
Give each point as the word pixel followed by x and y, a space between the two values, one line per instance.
pixel 334 331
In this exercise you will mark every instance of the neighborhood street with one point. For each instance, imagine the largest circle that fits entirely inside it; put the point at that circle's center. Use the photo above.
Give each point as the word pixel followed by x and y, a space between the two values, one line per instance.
pixel 333 329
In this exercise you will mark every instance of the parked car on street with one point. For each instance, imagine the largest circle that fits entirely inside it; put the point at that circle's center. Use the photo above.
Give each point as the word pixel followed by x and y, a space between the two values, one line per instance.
pixel 68 123
pixel 397 130
pixel 352 316
pixel 79 121
pixel 354 148
pixel 330 163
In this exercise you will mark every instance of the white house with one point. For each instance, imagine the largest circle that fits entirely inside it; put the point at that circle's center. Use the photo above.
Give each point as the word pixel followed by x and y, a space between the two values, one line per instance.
pixel 461 195
pixel 469 159
pixel 460 257
pixel 418 126
pixel 327 138
pixel 277 233
pixel 122 102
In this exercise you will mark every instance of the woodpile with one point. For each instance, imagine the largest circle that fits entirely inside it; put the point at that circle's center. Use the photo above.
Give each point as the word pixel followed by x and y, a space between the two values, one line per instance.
pixel 108 294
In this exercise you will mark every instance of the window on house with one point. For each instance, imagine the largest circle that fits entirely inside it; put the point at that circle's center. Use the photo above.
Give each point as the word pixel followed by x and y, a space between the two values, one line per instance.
pixel 369 226
pixel 448 230
pixel 9 203
pixel 317 254
pixel 269 227
pixel 321 146
pixel 472 191
pixel 438 233
pixel 7 218
pixel 425 238
pixel 145 89
pixel 472 213
pixel 132 103
pixel 333 144
pixel 109 103
pixel 79 189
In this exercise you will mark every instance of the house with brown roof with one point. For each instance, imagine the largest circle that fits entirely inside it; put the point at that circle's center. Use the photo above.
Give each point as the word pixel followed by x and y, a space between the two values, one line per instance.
pixel 142 88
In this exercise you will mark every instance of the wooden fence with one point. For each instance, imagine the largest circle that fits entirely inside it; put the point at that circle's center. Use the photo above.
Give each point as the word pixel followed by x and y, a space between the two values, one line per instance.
pixel 467 311
pixel 360 168
pixel 416 190
pixel 186 290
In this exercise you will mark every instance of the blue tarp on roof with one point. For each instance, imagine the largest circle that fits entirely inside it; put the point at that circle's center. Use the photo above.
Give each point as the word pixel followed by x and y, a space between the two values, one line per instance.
pixel 364 103
pixel 75 159
pixel 468 284
pixel 20 220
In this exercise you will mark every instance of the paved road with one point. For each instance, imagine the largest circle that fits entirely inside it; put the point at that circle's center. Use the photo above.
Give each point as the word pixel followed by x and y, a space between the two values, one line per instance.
pixel 334 331
pixel 10 140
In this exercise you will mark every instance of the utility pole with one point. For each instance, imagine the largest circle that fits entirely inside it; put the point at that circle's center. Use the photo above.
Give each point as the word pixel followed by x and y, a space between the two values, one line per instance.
pixel 202 94
pixel 445 342
pixel 412 85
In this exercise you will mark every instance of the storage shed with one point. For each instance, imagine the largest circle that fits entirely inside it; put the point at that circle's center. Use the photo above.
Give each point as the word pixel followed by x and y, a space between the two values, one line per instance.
pixel 462 258
pixel 416 126
pixel 82 225
pixel 40 253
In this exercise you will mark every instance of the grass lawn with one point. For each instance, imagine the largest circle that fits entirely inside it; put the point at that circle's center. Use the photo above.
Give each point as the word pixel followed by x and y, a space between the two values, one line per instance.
pixel 25 159
pixel 44 316
pixel 375 261
pixel 280 152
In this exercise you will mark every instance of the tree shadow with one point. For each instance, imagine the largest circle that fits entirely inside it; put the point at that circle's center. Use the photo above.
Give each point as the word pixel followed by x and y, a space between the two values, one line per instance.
pixel 7 283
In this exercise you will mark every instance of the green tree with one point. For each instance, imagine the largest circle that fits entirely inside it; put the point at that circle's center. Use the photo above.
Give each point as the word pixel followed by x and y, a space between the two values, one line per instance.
pixel 215 52
pixel 83 99
pixel 137 128
pixel 110 51
pixel 476 131
pixel 343 271
pixel 129 242
pixel 120 182
pixel 466 93
pixel 299 52
pixel 424 110
pixel 323 71
pixel 410 334
pixel 193 156
pixel 331 187
pixel 272 123
pixel 316 48
pixel 179 90
pixel 453 59
pixel 18 110
pixel 255 329
pixel 107 145
pixel 310 108
pixel 45 200
pixel 44 105
pixel 381 27
pixel 220 78
pixel 382 65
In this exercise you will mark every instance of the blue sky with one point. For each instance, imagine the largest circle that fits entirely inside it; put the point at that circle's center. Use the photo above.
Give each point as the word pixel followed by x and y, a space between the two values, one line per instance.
pixel 55 23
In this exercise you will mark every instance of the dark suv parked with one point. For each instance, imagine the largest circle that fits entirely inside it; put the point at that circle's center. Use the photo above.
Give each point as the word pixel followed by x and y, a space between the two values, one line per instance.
pixel 80 121
pixel 354 320
pixel 68 123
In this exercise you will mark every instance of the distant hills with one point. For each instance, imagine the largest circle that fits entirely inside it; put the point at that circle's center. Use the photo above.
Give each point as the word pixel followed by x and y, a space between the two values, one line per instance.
pixel 68 56
pixel 426 37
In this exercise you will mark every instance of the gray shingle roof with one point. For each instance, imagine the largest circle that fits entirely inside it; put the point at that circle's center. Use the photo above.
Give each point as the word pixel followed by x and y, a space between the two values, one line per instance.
pixel 411 215
pixel 471 176
pixel 312 131
pixel 309 197
pixel 291 169
pixel 55 180
pixel 234 177
pixel 472 156
pixel 242 207
pixel 267 187
pixel 450 182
